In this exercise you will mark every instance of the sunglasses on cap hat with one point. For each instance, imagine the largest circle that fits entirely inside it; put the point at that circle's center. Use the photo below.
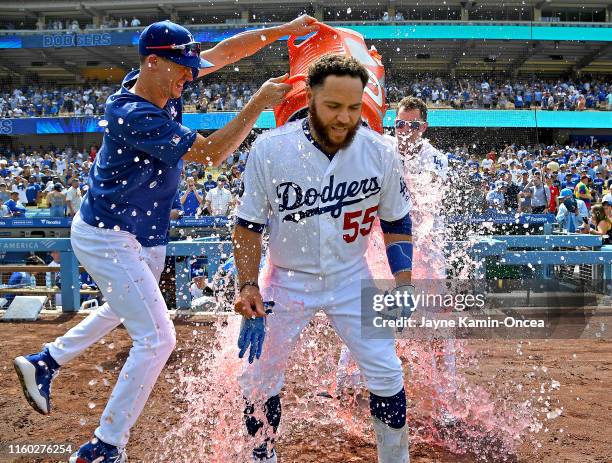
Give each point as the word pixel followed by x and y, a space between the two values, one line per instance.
pixel 414 125
pixel 186 49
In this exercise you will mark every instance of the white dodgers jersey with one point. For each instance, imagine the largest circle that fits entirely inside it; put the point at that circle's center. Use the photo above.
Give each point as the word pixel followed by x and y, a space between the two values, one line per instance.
pixel 320 211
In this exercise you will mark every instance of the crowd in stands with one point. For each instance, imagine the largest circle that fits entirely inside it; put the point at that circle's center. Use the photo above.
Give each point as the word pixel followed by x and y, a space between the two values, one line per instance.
pixel 574 183
pixel 568 95
pixel 514 179
pixel 35 101
pixel 55 179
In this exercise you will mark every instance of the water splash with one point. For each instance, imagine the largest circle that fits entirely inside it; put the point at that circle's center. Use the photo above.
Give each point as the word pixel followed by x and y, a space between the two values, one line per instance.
pixel 211 427
pixel 446 410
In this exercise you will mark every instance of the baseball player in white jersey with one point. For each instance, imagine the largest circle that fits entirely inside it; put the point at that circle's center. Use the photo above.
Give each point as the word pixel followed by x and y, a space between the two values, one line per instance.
pixel 426 175
pixel 319 184
pixel 120 232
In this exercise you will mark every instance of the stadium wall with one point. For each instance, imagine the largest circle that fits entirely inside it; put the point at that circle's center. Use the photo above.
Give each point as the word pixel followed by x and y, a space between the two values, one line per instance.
pixel 437 118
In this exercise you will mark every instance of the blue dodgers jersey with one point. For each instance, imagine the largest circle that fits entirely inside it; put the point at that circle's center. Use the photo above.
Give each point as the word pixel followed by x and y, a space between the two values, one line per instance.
pixel 135 176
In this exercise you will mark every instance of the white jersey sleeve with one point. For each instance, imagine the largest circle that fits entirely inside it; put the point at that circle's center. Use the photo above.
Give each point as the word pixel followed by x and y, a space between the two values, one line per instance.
pixel 253 204
pixel 394 199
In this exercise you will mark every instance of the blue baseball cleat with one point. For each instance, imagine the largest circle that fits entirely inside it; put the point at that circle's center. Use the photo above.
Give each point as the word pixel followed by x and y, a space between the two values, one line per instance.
pixel 36 372
pixel 96 451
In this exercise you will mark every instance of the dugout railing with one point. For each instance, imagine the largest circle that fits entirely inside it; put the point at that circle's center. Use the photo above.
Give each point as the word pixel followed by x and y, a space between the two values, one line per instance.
pixel 213 251
pixel 541 251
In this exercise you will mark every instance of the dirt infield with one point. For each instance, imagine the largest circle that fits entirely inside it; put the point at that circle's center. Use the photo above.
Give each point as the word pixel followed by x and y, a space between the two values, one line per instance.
pixel 582 432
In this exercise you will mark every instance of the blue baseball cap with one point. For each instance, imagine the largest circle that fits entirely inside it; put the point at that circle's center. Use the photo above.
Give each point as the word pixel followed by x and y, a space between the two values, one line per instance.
pixel 566 192
pixel 173 42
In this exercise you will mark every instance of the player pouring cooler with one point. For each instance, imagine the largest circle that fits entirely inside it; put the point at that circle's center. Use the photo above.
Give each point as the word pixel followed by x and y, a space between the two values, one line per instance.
pixel 324 179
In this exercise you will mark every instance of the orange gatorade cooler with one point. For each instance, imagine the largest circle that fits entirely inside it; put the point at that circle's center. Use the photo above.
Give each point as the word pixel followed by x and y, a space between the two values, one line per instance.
pixel 339 41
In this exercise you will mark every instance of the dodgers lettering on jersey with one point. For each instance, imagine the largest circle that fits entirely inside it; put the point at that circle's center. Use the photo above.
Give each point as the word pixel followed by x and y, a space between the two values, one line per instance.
pixel 320 212
pixel 332 198
pixel 135 175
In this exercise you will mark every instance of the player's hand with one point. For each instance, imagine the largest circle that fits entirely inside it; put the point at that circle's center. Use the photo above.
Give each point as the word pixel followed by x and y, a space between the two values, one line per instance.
pixel 253 334
pixel 249 303
pixel 303 25
pixel 273 91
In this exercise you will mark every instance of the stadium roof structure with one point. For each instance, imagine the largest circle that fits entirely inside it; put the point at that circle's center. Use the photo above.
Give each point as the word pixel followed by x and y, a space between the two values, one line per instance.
pixel 411 56
pixel 414 47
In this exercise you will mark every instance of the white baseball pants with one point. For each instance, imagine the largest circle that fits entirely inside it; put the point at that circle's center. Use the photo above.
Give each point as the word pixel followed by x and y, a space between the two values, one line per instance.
pixel 298 296
pixel 128 277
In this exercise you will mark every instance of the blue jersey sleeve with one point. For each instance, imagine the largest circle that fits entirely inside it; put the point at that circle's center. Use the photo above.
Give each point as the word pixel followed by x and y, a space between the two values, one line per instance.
pixel 157 134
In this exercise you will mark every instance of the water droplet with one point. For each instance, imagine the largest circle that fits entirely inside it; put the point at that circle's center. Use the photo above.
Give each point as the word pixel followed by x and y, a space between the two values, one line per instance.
pixel 91 405
pixel 103 123
pixel 136 159
pixel 120 121
pixel 555 384
pixel 153 184
pixel 82 421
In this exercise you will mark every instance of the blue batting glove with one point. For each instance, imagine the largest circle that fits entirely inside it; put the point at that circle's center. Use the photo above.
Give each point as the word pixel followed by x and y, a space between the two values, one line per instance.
pixel 253 333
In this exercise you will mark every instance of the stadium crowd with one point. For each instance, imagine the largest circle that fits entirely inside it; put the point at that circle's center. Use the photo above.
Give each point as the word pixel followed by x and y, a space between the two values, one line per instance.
pixel 568 95
pixel 561 94
pixel 515 179
pixel 55 179
pixel 572 182
pixel 69 25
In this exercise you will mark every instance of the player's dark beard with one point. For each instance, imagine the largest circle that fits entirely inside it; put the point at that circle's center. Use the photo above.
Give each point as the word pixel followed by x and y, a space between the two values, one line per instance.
pixel 319 130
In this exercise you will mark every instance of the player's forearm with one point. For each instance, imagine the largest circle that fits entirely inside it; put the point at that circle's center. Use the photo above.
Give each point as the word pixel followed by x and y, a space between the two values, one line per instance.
pixel 247 254
pixel 403 277
pixel 216 148
pixel 242 45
